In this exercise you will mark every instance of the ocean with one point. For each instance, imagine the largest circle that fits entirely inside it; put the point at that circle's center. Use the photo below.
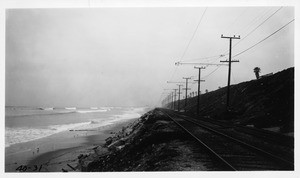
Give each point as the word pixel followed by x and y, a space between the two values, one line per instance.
pixel 23 124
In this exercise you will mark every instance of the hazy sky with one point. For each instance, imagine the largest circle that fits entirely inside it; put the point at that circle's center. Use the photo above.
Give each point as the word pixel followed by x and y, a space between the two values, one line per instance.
pixel 125 56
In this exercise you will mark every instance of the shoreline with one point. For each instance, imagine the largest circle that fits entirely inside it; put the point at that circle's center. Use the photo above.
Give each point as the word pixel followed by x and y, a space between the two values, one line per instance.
pixel 56 151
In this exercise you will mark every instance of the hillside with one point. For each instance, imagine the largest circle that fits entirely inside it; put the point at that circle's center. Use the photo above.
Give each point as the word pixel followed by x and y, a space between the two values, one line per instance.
pixel 263 103
pixel 155 143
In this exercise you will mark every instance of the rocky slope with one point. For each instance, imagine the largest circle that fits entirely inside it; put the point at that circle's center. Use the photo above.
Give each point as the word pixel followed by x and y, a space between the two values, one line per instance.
pixel 155 143
pixel 266 102
pixel 152 143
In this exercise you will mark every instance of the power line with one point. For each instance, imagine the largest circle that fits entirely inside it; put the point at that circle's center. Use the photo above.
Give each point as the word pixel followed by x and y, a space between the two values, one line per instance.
pixel 202 58
pixel 216 57
pixel 222 55
pixel 160 98
pixel 212 72
pixel 230 25
pixel 197 63
pixel 226 53
pixel 193 34
pixel 263 39
pixel 258 26
pixel 257 18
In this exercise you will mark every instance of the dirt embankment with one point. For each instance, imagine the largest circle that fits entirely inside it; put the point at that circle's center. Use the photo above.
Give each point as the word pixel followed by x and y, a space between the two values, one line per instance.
pixel 155 143
pixel 152 143
pixel 267 102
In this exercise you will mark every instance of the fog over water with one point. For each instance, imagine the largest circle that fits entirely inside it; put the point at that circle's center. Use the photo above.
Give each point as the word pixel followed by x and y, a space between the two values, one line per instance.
pixel 124 56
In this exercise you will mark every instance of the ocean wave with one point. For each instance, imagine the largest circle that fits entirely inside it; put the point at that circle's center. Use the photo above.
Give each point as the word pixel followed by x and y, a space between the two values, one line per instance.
pixel 15 135
pixel 37 114
pixel 47 109
pixel 20 134
pixel 91 111
pixel 129 114
pixel 107 108
pixel 70 108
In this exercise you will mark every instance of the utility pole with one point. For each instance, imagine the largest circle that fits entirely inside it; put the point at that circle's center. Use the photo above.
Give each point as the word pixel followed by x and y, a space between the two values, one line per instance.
pixel 179 84
pixel 172 103
pixel 199 81
pixel 229 67
pixel 179 97
pixel 175 90
pixel 168 101
pixel 186 88
pixel 170 98
pixel 164 101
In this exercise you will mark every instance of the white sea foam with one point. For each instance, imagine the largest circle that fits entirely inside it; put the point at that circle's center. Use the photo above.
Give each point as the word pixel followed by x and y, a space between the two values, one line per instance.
pixel 130 114
pixel 70 108
pixel 91 111
pixel 15 135
pixel 20 135
pixel 47 109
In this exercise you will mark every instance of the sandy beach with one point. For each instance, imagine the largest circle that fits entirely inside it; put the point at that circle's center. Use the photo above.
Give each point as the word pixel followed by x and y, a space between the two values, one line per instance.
pixel 58 152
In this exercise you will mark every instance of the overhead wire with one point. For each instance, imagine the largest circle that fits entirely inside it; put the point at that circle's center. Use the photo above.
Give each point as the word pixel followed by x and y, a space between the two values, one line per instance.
pixel 186 48
pixel 202 58
pixel 211 72
pixel 230 25
pixel 216 57
pixel 263 39
pixel 160 98
pixel 225 53
pixel 254 20
pixel 259 41
pixel 258 26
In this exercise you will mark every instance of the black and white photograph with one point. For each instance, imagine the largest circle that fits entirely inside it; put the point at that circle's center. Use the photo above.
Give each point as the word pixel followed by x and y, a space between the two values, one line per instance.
pixel 203 88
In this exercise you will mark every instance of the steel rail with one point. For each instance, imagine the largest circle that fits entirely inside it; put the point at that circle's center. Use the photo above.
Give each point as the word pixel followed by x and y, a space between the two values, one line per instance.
pixel 243 143
pixel 260 133
pixel 206 146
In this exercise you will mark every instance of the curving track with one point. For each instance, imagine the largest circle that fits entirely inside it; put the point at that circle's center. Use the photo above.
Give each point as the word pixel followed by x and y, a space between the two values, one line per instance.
pixel 232 154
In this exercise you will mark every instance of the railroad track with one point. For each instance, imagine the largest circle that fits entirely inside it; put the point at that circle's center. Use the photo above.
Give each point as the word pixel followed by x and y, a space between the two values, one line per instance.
pixel 231 153
pixel 269 136
pixel 277 144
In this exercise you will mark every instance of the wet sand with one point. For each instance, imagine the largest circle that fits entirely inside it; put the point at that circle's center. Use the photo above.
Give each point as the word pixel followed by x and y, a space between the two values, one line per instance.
pixel 57 152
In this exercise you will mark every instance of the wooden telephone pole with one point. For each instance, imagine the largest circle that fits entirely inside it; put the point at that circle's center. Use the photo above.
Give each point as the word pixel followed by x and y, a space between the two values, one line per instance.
pixel 199 80
pixel 175 91
pixel 229 67
pixel 170 98
pixel 179 97
pixel 178 92
pixel 186 89
pixel 168 101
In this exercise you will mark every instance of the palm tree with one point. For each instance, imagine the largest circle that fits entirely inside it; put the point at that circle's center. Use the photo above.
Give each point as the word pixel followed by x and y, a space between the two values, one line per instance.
pixel 256 71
